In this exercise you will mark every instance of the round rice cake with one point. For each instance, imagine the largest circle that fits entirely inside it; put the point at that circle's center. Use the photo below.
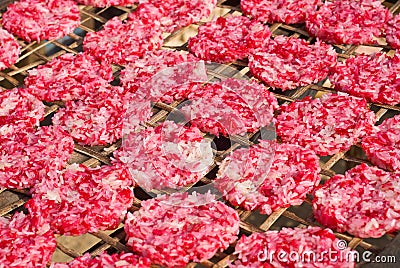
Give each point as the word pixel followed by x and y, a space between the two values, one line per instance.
pixel 175 14
pixel 107 3
pixel 36 20
pixel 19 107
pixel 174 230
pixel 292 247
pixel 382 146
pixel 167 156
pixel 123 42
pixel 348 21
pixel 268 176
pixel 9 49
pixel 138 74
pixel 67 77
pixel 167 95
pixel 393 32
pixel 81 199
pixel 326 125
pixel 228 39
pixel 27 155
pixel 365 202
pixel 104 260
pixel 288 62
pixel 25 241
pixel 374 78
pixel 287 11
pixel 99 119
pixel 230 107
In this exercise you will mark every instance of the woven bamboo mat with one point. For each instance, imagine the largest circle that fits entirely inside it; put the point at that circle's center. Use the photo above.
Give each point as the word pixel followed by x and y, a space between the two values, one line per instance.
pixel 34 54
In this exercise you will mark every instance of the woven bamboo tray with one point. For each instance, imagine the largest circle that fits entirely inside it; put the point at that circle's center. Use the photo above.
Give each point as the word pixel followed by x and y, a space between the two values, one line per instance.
pixel 34 54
